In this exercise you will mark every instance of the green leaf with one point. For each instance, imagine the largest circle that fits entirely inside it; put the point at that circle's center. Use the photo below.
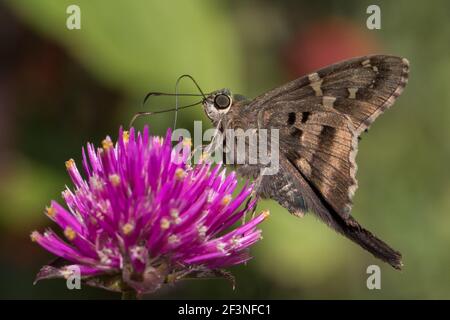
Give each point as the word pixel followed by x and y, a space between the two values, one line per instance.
pixel 138 45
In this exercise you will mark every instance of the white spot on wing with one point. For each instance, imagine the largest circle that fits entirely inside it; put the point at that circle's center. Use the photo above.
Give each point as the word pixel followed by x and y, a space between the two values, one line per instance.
pixel 405 61
pixel 352 93
pixel 328 101
pixel 316 83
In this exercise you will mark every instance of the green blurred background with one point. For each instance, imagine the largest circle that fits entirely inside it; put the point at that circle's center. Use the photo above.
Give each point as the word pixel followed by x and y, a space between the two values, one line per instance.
pixel 60 88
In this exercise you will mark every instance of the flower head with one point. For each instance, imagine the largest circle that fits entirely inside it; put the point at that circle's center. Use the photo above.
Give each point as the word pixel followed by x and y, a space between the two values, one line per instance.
pixel 142 217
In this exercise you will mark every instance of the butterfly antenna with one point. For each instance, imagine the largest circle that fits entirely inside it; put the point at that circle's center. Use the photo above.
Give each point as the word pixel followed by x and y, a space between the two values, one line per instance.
pixel 156 93
pixel 149 113
pixel 176 95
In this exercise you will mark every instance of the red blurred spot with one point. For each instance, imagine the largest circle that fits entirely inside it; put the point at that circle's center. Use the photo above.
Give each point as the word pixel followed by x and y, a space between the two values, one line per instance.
pixel 326 42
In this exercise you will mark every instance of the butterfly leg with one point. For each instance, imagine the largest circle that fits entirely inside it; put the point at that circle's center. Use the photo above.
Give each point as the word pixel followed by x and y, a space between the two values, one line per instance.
pixel 247 205
pixel 207 148
pixel 194 152
pixel 257 190
pixel 214 140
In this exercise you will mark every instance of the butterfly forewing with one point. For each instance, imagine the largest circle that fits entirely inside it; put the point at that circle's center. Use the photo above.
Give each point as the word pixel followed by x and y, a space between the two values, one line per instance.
pixel 361 88
pixel 321 115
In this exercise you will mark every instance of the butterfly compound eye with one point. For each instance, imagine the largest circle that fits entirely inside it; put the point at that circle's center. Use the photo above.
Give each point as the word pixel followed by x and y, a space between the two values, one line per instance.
pixel 222 101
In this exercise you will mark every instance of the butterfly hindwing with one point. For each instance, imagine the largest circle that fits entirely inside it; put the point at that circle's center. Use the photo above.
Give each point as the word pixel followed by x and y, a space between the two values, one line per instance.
pixel 297 194
pixel 322 145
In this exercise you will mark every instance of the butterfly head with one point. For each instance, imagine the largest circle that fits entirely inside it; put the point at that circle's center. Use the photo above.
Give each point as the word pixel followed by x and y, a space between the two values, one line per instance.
pixel 217 104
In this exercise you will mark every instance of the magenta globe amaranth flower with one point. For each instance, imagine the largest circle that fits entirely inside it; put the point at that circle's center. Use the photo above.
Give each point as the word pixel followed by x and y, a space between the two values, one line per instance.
pixel 142 217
